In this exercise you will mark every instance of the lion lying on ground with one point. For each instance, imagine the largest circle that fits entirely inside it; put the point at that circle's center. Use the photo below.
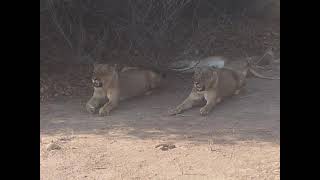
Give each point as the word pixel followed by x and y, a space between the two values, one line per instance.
pixel 212 85
pixel 113 84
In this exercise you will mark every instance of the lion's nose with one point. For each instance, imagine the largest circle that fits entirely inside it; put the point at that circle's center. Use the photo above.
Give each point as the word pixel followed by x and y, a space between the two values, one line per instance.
pixel 94 80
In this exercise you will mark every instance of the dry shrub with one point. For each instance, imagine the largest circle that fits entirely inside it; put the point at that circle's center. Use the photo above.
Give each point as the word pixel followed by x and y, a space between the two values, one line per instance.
pixel 151 33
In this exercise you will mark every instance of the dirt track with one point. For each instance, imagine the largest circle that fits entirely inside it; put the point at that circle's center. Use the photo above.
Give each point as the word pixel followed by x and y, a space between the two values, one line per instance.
pixel 239 139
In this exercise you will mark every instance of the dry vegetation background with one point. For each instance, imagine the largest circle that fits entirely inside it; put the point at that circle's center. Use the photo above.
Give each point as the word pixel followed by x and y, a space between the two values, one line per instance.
pixel 75 33
pixel 238 140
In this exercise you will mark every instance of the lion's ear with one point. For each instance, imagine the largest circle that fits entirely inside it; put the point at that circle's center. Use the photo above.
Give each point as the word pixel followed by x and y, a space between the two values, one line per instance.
pixel 96 65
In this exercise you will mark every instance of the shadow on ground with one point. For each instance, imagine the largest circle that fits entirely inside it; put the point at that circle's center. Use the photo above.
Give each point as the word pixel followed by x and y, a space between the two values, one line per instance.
pixel 253 115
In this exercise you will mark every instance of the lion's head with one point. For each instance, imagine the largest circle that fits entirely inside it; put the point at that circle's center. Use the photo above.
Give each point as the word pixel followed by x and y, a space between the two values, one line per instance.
pixel 104 74
pixel 205 78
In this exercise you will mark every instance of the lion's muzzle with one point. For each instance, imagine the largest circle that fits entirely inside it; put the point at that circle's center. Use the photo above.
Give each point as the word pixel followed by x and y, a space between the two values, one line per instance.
pixel 90 108
pixel 96 82
pixel 198 86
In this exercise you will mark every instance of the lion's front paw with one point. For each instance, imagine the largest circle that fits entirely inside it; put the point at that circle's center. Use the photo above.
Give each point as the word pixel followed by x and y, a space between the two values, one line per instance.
pixel 104 112
pixel 90 108
pixel 237 92
pixel 204 111
pixel 174 111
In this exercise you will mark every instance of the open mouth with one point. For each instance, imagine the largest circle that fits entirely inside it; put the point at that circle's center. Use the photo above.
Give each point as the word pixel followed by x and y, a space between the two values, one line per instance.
pixel 97 83
pixel 199 87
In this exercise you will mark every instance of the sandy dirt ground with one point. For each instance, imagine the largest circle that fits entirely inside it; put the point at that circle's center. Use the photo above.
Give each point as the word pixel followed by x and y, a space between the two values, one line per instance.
pixel 239 139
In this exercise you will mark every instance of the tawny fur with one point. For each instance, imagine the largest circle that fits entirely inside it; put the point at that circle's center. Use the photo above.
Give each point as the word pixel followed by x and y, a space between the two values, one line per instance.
pixel 210 85
pixel 119 84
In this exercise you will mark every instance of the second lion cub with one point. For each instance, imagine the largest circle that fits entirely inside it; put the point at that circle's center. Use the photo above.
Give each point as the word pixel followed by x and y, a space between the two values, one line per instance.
pixel 211 85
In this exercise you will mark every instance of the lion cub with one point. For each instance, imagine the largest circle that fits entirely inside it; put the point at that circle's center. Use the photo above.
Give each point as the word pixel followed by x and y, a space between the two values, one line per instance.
pixel 112 84
pixel 212 85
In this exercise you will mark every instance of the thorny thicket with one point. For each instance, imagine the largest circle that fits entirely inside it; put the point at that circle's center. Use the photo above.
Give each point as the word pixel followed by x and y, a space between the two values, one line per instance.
pixel 149 30
pixel 148 33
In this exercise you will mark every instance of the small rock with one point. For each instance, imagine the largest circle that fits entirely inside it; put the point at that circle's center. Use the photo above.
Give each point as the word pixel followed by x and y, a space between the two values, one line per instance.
pixel 165 147
pixel 53 146
pixel 189 136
